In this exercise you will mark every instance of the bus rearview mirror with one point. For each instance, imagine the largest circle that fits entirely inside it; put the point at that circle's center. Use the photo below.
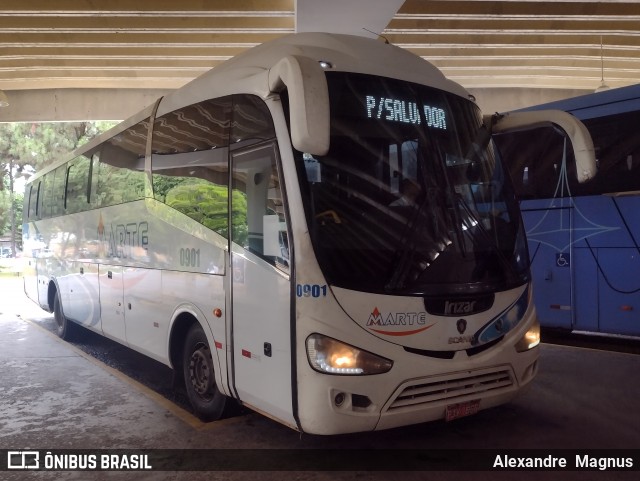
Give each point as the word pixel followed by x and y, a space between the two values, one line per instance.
pixel 306 84
pixel 575 130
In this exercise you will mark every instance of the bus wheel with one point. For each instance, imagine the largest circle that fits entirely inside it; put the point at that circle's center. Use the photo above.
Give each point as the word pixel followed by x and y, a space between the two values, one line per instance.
pixel 65 326
pixel 205 397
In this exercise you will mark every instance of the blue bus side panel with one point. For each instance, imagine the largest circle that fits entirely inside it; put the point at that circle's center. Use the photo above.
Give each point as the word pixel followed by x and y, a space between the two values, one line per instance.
pixel 598 222
pixel 547 224
pixel 619 304
pixel 605 241
pixel 629 207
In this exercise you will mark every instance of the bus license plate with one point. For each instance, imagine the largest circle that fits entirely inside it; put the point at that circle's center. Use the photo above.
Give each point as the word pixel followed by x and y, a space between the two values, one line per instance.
pixel 460 410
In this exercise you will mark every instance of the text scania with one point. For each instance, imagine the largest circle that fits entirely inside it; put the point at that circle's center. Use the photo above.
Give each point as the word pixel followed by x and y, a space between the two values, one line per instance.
pixel 376 318
pixel 405 111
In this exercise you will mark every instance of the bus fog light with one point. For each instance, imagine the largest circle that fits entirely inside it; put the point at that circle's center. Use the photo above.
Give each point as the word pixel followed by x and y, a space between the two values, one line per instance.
pixel 330 356
pixel 339 399
pixel 531 338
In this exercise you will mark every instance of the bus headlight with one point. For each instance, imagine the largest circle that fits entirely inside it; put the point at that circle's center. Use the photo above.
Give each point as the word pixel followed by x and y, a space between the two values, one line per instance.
pixel 330 356
pixel 530 339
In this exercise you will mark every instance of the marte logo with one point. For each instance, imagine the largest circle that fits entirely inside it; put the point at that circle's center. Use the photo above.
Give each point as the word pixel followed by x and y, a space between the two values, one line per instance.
pixel 461 325
pixel 460 307
pixel 397 321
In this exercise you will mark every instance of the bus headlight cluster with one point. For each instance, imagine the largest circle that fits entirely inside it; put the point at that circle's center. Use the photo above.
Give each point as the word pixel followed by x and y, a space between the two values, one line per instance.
pixel 507 321
pixel 530 339
pixel 330 356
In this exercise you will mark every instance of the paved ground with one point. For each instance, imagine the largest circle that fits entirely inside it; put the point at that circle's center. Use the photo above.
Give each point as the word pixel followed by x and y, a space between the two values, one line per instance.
pixel 54 396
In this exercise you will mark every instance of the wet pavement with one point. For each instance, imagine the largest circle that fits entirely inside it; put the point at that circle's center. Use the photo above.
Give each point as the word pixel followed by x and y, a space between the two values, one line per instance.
pixel 56 395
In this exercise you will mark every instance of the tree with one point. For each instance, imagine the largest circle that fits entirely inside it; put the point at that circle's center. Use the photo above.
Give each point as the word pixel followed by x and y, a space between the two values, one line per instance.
pixel 26 148
pixel 5 207
pixel 207 203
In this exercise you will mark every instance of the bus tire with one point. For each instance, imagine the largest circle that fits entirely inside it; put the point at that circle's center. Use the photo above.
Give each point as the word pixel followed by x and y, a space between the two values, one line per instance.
pixel 65 328
pixel 199 376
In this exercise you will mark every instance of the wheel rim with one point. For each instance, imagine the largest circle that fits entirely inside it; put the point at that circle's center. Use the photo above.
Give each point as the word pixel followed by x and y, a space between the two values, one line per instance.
pixel 201 372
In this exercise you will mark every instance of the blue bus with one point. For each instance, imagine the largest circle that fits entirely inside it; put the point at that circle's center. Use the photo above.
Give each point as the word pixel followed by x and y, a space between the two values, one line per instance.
pixel 584 238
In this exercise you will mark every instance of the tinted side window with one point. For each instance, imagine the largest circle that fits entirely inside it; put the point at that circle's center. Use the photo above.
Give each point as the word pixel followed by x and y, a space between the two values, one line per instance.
pixel 258 215
pixel 190 162
pixel 58 190
pixel 541 165
pixel 77 185
pixel 46 195
pixel 617 143
pixel 259 222
pixel 25 204
pixel 33 199
pixel 251 121
pixel 535 159
pixel 121 169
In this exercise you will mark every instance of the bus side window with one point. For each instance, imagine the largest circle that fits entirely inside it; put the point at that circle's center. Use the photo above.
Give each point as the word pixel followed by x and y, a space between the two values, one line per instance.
pixel 259 223
pixel 121 175
pixel 57 192
pixel 251 121
pixel 33 200
pixel 94 196
pixel 44 211
pixel 77 180
pixel 25 204
pixel 190 162
pixel 258 218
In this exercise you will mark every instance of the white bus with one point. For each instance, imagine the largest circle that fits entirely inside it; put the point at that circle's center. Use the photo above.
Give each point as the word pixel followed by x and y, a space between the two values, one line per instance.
pixel 318 228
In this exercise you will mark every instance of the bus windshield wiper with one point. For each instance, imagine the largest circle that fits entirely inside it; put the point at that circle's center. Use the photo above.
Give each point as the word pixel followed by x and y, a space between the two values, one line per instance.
pixel 489 240
pixel 407 250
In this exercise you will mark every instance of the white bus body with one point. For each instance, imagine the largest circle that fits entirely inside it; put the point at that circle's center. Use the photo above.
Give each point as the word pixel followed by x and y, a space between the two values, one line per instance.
pixel 253 230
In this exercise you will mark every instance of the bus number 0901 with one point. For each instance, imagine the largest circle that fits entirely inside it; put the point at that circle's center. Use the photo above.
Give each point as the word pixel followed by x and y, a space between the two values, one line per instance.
pixel 311 290
pixel 190 257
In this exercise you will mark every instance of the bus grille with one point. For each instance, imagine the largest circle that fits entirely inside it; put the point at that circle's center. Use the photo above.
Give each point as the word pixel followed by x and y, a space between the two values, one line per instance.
pixel 454 386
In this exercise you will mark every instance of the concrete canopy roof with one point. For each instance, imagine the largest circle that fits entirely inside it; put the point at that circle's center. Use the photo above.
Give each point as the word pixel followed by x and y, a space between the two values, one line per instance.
pixel 567 45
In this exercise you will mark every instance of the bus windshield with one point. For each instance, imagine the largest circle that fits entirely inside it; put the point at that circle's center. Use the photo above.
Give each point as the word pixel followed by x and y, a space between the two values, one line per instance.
pixel 410 199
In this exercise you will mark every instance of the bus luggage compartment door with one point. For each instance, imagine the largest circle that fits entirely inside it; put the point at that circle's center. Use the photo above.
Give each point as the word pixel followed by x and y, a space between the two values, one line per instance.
pixel 112 302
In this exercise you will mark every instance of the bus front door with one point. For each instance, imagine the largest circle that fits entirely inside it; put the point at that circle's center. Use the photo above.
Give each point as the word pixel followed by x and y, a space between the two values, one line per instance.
pixel 260 286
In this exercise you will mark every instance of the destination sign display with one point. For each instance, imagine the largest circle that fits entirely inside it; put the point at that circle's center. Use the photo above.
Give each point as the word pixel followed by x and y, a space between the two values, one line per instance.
pixel 405 111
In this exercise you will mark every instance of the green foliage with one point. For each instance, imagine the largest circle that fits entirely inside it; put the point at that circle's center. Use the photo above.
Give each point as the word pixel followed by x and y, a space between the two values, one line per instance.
pixel 37 145
pixel 5 210
pixel 206 203
pixel 26 148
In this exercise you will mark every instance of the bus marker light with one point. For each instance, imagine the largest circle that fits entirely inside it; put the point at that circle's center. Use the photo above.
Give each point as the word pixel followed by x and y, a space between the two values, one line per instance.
pixel 246 353
pixel 217 312
pixel 626 308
